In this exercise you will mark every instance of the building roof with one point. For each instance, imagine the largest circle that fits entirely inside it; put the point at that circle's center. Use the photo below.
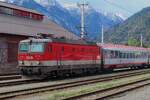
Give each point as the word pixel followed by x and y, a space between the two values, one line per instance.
pixel 28 27
pixel 9 5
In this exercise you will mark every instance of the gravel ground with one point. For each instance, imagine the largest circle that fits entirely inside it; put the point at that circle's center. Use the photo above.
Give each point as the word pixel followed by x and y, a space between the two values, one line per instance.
pixel 48 95
pixel 138 94
pixel 41 84
pixel 45 95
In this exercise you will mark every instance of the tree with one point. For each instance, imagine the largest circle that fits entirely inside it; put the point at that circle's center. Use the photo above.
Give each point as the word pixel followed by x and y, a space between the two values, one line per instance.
pixel 133 42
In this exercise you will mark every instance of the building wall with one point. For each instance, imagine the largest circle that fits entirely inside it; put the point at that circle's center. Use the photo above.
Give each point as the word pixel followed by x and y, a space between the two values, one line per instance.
pixel 3 50
pixel 9 52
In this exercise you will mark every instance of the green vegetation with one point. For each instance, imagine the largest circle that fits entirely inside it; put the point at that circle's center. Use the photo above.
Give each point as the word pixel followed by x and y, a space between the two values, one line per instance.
pixel 132 28
pixel 58 95
pixel 133 42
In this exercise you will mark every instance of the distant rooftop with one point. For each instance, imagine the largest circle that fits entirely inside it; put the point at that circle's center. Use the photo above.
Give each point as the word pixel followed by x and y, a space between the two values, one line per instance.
pixel 28 22
pixel 9 5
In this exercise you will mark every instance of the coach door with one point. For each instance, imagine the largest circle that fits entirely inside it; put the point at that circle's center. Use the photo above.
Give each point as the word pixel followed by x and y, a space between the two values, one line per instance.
pixel 149 58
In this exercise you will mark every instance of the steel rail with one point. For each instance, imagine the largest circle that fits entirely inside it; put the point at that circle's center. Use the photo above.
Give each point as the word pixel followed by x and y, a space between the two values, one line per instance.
pixel 14 93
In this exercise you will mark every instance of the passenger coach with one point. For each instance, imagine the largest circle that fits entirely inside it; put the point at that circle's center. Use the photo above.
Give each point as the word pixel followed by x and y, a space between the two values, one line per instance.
pixel 118 56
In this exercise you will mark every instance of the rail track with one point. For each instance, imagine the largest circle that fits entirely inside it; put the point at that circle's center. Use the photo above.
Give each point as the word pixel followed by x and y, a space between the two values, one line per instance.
pixel 65 85
pixel 9 77
pixel 102 94
pixel 17 82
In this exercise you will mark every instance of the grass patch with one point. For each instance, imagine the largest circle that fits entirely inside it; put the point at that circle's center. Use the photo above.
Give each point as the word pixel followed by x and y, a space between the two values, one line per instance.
pixel 61 94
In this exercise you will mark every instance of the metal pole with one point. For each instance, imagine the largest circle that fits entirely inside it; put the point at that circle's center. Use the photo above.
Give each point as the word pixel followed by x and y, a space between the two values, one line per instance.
pixel 82 7
pixel 141 40
pixel 102 38
pixel 82 21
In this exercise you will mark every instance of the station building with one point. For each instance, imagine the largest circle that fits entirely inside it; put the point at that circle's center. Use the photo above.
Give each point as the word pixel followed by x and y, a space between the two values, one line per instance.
pixel 18 23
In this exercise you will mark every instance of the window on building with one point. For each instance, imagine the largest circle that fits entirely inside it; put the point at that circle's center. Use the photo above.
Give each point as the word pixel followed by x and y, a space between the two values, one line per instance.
pixel 20 13
pixel 5 10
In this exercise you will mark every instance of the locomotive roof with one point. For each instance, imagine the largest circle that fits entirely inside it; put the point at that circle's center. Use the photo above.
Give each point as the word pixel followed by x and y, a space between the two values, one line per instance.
pixel 122 47
pixel 59 40
pixel 36 40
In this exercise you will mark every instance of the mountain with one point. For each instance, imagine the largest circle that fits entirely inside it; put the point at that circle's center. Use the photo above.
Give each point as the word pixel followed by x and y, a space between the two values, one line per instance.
pixel 94 20
pixel 70 18
pixel 133 27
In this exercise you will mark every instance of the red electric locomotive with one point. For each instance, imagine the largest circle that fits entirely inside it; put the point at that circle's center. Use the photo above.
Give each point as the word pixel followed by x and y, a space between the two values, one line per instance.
pixel 47 57
pixel 50 57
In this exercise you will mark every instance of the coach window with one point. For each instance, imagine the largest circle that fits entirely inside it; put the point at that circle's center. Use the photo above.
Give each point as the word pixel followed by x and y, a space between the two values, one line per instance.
pixel 142 54
pixel 130 55
pixel 133 55
pixel 123 55
pixel 119 54
pixel 116 54
pixel 145 54
pixel 136 55
pixel 127 55
pixel 111 54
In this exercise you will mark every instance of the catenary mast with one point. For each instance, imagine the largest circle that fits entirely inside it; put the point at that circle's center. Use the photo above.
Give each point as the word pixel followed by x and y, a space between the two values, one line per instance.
pixel 82 8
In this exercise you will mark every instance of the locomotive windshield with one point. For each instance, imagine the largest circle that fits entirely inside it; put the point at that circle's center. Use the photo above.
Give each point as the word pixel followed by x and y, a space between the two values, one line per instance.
pixel 31 47
pixel 36 47
pixel 24 47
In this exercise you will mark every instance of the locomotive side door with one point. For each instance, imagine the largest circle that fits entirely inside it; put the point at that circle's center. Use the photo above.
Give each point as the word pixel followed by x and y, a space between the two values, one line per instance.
pixel 58 55
pixel 102 58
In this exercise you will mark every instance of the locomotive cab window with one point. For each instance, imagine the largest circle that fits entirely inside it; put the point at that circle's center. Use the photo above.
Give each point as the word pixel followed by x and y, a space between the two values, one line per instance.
pixel 24 47
pixel 31 47
pixel 37 47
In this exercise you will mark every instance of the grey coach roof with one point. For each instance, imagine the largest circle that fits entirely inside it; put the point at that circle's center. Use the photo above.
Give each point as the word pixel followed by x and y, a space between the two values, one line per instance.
pixel 17 7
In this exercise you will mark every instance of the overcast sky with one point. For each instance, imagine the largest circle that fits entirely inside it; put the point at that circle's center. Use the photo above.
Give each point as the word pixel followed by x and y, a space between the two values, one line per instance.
pixel 125 7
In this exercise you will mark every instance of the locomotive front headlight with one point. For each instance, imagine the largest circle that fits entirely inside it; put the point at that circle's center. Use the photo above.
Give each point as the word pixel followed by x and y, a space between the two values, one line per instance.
pixel 21 62
pixel 38 62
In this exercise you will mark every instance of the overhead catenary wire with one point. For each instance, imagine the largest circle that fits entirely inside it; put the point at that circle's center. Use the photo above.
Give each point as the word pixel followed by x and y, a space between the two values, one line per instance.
pixel 118 6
